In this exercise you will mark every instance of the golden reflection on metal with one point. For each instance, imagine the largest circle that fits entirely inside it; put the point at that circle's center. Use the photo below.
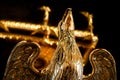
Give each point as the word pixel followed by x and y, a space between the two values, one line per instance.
pixel 41 58
pixel 46 16
pixel 90 28
pixel 4 27
pixel 90 20
pixel 45 26
pixel 48 31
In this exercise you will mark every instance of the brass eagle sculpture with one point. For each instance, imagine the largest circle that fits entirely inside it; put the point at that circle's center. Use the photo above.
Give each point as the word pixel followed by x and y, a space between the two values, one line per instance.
pixel 66 62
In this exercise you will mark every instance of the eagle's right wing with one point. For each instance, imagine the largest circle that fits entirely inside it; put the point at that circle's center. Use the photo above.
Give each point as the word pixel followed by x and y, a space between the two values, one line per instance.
pixel 20 64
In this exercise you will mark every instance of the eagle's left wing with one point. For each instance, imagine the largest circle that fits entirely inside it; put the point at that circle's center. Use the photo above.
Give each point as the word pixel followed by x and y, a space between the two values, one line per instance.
pixel 103 66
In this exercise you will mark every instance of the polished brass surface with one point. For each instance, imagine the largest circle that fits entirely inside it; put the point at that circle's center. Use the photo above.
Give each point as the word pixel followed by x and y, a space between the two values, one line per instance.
pixel 48 31
pixel 55 55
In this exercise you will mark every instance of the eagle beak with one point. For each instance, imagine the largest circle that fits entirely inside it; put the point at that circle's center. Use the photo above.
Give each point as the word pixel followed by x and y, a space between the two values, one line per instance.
pixel 67 20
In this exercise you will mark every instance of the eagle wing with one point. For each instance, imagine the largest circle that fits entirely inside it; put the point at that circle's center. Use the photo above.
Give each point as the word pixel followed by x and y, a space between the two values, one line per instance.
pixel 20 64
pixel 103 66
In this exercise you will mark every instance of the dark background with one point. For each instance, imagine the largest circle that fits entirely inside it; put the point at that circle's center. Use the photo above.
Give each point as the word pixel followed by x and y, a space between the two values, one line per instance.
pixel 105 21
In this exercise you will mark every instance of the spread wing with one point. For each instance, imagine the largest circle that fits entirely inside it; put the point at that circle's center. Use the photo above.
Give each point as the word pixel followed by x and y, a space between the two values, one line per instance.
pixel 103 65
pixel 20 64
